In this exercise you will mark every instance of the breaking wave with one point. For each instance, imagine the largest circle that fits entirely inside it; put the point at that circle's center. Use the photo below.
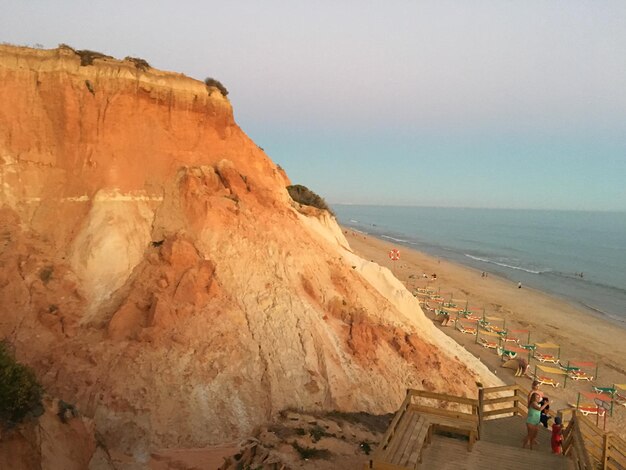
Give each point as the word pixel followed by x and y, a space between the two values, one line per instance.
pixel 505 265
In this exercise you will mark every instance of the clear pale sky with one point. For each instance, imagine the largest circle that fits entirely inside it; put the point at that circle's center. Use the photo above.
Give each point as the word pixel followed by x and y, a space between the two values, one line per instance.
pixel 514 104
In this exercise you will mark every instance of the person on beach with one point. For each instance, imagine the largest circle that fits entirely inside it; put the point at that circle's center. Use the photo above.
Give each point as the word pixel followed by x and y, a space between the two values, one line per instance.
pixel 533 420
pixel 522 367
pixel 519 285
pixel 556 441
pixel 534 391
pixel 545 417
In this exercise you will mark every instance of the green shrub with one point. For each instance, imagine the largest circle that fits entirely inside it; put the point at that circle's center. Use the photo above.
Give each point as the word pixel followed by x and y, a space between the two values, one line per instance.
pixel 365 447
pixel 66 46
pixel 217 84
pixel 140 64
pixel 317 432
pixel 310 452
pixel 20 393
pixel 87 57
pixel 304 195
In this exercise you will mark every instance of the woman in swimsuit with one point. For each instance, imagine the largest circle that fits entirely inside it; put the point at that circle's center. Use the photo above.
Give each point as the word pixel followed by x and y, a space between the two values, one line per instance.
pixel 533 420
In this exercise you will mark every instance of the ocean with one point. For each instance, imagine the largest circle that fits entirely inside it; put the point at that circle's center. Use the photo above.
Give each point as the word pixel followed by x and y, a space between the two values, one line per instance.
pixel 579 256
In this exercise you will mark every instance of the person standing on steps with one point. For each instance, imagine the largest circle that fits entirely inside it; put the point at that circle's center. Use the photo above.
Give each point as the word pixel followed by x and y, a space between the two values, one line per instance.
pixel 557 436
pixel 533 420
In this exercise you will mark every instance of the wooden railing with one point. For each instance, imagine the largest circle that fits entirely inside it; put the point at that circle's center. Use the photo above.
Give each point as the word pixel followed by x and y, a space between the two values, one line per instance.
pixel 589 446
pixel 437 412
pixel 501 401
pixel 441 403
pixel 447 413
pixel 391 430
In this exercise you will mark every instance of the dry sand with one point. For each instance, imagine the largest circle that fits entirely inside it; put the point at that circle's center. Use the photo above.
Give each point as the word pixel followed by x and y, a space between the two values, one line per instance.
pixel 582 335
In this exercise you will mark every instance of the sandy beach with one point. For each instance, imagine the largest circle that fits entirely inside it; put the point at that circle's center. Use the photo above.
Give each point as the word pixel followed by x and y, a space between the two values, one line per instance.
pixel 581 335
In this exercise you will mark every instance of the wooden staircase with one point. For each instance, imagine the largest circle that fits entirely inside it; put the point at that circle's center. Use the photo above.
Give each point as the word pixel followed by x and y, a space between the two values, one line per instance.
pixel 500 447
pixel 486 433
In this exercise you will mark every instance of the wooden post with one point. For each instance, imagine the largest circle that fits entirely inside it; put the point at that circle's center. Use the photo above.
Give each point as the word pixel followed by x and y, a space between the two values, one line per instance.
pixel 605 448
pixel 481 398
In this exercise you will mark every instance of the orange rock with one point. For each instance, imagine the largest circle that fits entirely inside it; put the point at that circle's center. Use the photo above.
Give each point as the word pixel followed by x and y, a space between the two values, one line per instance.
pixel 195 299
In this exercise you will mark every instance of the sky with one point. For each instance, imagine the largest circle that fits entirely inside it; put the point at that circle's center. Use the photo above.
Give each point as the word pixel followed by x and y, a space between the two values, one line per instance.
pixel 504 104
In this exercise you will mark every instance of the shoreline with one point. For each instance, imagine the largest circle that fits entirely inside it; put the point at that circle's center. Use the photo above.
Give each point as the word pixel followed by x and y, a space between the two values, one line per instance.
pixel 598 313
pixel 582 334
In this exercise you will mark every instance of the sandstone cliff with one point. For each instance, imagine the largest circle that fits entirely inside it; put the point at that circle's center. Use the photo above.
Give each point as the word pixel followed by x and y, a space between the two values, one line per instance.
pixel 154 270
pixel 48 443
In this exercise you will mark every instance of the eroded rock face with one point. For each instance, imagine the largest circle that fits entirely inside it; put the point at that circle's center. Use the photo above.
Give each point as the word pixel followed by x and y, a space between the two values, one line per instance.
pixel 154 270
pixel 48 443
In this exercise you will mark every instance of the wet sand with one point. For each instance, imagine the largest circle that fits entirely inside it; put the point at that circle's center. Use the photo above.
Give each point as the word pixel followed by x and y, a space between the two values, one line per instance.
pixel 581 335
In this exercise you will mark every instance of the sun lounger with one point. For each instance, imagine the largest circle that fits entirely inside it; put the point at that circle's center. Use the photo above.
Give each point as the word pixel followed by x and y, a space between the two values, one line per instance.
pixel 608 390
pixel 588 409
pixel 529 347
pixel 488 344
pixel 546 380
pixel 579 375
pixel 468 331
pixel 506 354
pixel 510 339
pixel 546 358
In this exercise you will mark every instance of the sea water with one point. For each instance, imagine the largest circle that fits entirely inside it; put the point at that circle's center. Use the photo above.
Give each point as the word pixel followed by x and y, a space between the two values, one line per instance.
pixel 579 256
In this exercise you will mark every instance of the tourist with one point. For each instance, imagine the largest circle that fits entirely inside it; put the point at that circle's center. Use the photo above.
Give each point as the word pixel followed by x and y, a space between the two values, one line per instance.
pixel 557 436
pixel 545 417
pixel 533 420
pixel 534 390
